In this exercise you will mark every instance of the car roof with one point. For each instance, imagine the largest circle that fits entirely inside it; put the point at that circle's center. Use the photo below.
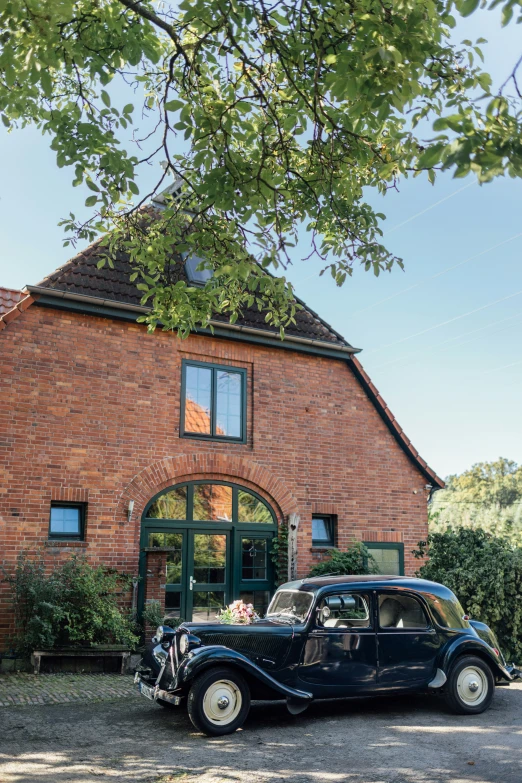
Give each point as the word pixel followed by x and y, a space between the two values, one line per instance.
pixel 370 581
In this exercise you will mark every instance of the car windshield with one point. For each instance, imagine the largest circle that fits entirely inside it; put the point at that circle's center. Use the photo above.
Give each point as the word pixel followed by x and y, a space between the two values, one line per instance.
pixel 290 604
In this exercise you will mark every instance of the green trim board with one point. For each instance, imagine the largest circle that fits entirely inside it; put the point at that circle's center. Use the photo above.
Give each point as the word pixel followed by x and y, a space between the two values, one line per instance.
pixel 388 545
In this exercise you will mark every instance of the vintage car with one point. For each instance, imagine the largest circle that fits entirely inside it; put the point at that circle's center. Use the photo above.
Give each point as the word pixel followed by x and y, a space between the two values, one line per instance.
pixel 327 637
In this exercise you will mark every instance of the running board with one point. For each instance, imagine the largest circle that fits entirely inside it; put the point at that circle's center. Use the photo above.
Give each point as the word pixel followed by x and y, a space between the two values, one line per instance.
pixel 439 680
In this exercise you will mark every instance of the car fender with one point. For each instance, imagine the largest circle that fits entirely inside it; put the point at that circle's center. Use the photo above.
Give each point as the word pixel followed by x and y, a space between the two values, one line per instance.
pixel 470 645
pixel 216 655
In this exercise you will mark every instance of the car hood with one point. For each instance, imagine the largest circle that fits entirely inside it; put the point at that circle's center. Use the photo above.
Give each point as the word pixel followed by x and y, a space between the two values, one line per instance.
pixel 266 642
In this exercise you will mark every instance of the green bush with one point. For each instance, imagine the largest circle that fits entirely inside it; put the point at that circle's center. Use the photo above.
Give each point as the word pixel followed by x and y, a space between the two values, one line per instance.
pixel 356 560
pixel 74 605
pixel 485 572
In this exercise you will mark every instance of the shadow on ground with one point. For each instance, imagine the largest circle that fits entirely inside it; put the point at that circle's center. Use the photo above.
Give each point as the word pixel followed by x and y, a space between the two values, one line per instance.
pixel 392 740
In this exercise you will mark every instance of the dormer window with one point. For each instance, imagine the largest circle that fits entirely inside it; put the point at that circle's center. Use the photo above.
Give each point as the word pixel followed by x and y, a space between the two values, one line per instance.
pixel 196 276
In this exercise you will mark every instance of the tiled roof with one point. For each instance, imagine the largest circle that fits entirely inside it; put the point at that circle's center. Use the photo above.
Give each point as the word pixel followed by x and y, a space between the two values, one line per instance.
pixel 81 275
pixel 9 297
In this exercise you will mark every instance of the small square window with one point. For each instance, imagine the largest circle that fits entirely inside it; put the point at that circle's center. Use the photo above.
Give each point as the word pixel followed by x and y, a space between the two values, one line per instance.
pixel 67 521
pixel 323 530
pixel 213 402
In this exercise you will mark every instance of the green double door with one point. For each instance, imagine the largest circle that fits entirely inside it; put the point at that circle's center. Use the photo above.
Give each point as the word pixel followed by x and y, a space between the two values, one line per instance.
pixel 206 570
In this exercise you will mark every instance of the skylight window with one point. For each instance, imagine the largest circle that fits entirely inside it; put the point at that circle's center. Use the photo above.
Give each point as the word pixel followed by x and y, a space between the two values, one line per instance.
pixel 196 276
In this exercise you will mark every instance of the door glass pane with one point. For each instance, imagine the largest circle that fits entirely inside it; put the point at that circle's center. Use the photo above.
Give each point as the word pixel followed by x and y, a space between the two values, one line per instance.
pixel 198 390
pixel 173 569
pixel 259 598
pixel 171 505
pixel 207 605
pixel 387 560
pixel 212 503
pixel 400 611
pixel 210 556
pixel 228 404
pixel 172 605
pixel 251 509
pixel 253 558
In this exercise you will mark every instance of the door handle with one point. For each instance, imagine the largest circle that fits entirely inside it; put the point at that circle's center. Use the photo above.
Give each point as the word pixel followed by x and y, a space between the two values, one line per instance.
pixel 192 582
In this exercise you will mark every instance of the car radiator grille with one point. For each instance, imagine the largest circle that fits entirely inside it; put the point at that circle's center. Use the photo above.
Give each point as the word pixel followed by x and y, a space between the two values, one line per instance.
pixel 250 644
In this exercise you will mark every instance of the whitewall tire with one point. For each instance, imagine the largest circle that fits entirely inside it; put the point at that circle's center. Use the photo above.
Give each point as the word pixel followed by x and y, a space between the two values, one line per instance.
pixel 471 686
pixel 219 701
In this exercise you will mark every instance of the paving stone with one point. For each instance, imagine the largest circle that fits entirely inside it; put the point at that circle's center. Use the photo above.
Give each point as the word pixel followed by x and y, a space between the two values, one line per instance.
pixel 29 689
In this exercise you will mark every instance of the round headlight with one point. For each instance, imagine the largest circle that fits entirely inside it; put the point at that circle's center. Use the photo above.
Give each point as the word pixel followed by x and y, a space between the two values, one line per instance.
pixel 184 644
pixel 159 634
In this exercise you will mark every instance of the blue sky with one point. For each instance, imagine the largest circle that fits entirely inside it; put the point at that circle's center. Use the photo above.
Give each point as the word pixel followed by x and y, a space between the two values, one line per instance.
pixel 443 347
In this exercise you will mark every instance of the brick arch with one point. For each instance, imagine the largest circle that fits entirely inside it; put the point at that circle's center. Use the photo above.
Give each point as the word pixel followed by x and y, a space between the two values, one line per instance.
pixel 206 465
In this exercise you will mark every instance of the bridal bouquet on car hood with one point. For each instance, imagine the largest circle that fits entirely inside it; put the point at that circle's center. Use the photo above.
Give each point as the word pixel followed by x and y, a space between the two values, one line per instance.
pixel 238 613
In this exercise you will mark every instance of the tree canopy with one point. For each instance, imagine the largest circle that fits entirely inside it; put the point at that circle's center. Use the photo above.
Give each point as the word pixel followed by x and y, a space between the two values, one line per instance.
pixel 272 116
pixel 488 496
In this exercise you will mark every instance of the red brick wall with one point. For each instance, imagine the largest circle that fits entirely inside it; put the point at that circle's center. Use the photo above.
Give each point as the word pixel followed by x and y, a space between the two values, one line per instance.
pixel 89 410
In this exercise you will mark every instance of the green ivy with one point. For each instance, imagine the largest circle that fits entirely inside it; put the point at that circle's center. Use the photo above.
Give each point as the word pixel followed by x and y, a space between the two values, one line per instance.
pixel 279 555
pixel 74 604
pixel 485 572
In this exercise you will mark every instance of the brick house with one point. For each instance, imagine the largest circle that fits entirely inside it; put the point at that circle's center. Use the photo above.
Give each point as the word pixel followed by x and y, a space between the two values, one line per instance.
pixel 178 460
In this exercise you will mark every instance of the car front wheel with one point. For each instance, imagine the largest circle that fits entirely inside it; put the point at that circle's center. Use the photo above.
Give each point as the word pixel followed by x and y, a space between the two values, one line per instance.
pixel 470 686
pixel 218 702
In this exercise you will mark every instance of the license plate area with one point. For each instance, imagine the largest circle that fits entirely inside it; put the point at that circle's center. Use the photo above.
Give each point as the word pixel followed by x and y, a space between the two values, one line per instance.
pixel 146 690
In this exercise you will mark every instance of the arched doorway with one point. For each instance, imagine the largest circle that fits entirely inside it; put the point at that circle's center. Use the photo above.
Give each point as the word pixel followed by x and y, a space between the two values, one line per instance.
pixel 213 540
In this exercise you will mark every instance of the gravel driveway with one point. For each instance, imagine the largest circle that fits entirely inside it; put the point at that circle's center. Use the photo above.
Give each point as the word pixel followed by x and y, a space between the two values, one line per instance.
pixel 393 740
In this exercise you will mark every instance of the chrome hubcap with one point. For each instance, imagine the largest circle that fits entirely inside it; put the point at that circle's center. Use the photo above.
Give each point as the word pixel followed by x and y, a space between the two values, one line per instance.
pixel 222 702
pixel 472 686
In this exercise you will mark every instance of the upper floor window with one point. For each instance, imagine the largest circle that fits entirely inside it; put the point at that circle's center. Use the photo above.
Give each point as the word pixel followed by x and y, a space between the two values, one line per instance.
pixel 67 521
pixel 213 401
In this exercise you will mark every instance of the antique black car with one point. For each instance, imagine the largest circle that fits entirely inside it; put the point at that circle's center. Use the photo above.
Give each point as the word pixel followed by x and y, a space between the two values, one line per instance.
pixel 327 637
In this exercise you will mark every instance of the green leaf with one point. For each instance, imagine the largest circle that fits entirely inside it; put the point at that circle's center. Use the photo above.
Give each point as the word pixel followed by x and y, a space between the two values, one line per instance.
pixel 105 98
pixel 467 7
pixel 174 105
pixel 91 201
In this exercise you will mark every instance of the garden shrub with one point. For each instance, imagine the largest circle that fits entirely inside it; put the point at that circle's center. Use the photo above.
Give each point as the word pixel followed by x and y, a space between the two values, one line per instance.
pixel 356 560
pixel 485 572
pixel 73 605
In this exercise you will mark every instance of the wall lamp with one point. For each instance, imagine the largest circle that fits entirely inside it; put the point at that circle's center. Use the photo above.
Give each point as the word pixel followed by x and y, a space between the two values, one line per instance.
pixel 130 509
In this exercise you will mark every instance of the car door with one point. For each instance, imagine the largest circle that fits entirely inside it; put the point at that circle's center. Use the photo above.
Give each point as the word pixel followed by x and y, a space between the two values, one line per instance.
pixel 340 653
pixel 407 643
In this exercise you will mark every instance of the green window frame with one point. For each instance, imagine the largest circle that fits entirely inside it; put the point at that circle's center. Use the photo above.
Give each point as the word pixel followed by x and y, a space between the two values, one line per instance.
pixel 373 545
pixel 78 536
pixel 214 434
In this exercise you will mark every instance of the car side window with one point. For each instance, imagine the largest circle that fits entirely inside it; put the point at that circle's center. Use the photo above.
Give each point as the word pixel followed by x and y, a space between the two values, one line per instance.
pixel 344 610
pixel 401 611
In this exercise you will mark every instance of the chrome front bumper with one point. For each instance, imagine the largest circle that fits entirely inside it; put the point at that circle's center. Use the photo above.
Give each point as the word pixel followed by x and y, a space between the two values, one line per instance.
pixel 153 693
